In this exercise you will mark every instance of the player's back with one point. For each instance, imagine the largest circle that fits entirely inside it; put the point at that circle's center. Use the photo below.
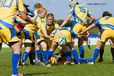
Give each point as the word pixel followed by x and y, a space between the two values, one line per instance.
pixel 107 22
pixel 9 9
pixel 81 12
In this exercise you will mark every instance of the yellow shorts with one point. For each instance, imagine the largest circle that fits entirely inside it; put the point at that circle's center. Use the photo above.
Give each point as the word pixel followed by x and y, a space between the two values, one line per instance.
pixel 8 35
pixel 64 33
pixel 105 35
pixel 27 37
pixel 48 41
pixel 78 27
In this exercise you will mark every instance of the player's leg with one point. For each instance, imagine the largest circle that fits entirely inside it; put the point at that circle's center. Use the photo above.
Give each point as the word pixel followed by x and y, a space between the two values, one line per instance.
pixel 38 48
pixel 96 52
pixel 15 57
pixel 101 54
pixel 86 40
pixel 45 54
pixel 20 41
pixel 68 53
pixel 28 48
pixel 9 37
pixel 52 49
pixel 74 52
pixel 32 54
pixel 112 49
pixel 80 47
pixel 104 36
pixel 76 29
pixel 38 53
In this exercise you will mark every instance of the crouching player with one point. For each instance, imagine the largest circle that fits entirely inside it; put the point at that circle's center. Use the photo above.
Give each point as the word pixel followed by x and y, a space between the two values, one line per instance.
pixel 64 33
pixel 107 32
pixel 44 39
pixel 29 31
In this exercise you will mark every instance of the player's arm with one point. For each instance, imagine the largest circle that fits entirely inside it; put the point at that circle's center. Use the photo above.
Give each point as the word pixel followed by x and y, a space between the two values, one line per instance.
pixel 44 31
pixel 23 14
pixel 68 17
pixel 88 28
pixel 92 18
pixel 66 20
pixel 16 29
pixel 99 31
pixel 19 20
pixel 57 29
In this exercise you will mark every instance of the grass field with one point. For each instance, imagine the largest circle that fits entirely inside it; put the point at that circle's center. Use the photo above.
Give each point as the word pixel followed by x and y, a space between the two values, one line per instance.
pixel 99 69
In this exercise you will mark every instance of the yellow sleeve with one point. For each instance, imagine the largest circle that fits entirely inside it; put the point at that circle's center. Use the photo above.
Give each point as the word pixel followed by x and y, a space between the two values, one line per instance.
pixel 20 5
pixel 18 19
pixel 43 26
pixel 53 32
pixel 39 22
pixel 56 26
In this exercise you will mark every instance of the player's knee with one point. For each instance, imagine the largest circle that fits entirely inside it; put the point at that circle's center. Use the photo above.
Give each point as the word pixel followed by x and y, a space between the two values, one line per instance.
pixel 99 45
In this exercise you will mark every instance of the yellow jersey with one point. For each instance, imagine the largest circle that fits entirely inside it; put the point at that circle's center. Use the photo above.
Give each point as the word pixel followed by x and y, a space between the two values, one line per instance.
pixel 34 11
pixel 80 14
pixel 8 10
pixel 106 23
pixel 48 28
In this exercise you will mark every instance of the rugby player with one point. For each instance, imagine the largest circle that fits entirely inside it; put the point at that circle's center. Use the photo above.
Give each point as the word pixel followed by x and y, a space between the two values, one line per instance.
pixel 29 31
pixel 44 39
pixel 80 14
pixel 8 10
pixel 107 32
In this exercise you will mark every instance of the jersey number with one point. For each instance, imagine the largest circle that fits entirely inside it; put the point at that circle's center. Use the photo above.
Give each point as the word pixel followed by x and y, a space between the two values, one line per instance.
pixel 5 3
pixel 82 9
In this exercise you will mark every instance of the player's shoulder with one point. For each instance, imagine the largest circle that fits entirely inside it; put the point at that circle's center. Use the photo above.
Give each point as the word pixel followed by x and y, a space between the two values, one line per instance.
pixel 36 17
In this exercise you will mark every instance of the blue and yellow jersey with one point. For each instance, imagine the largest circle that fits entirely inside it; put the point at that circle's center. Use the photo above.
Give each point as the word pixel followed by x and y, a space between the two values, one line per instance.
pixel 39 21
pixel 106 23
pixel 8 10
pixel 80 14
pixel 17 19
pixel 34 12
pixel 48 28
pixel 66 32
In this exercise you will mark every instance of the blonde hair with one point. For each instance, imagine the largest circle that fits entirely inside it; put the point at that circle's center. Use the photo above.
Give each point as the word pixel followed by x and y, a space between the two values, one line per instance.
pixel 37 5
pixel 40 10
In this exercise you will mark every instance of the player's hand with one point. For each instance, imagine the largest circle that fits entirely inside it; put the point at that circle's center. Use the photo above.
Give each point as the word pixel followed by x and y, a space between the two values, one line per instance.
pixel 51 38
pixel 79 36
pixel 51 35
pixel 34 22
pixel 61 26
pixel 81 33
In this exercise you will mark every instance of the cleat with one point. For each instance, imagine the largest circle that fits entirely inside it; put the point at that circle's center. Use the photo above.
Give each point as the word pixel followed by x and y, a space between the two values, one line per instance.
pixel 72 63
pixel 39 63
pixel 17 74
pixel 100 60
pixel 79 63
pixel 90 63
pixel 24 64
pixel 48 65
pixel 67 62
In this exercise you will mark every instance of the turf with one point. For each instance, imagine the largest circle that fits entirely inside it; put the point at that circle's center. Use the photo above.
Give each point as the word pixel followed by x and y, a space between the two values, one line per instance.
pixel 105 68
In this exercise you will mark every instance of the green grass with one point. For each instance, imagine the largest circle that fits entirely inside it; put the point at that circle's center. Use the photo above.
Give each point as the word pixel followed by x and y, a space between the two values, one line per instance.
pixel 99 69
